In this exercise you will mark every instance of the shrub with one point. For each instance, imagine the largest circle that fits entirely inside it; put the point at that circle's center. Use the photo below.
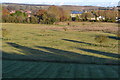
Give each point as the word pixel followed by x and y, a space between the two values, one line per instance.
pixel 65 28
pixel 101 38
pixel 33 20
pixel 4 32
pixel 111 20
pixel 5 18
pixel 68 23
pixel 20 19
pixel 13 19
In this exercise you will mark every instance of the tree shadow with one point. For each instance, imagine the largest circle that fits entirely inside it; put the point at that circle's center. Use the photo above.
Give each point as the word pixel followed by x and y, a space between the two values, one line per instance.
pixel 80 57
pixel 16 57
pixel 114 37
pixel 101 52
pixel 36 54
pixel 53 55
pixel 79 42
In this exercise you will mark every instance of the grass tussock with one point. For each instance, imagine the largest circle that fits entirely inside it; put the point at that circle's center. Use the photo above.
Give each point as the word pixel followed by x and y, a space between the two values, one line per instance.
pixel 5 32
pixel 101 39
pixel 65 28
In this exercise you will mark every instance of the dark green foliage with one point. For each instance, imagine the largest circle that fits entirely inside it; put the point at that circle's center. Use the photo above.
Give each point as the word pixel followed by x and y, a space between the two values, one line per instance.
pixel 101 38
pixel 19 13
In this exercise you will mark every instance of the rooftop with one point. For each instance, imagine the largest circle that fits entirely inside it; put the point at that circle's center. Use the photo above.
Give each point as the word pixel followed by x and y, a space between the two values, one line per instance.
pixel 76 12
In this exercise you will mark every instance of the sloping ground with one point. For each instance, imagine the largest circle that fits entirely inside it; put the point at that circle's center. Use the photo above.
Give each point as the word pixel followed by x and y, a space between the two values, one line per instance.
pixel 39 51
pixel 51 66
pixel 57 64
pixel 31 69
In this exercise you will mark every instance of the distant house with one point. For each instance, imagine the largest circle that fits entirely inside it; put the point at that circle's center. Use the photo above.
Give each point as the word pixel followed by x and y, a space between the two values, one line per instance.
pixel 100 18
pixel 95 17
pixel 117 19
pixel 13 11
pixel 74 14
pixel 28 13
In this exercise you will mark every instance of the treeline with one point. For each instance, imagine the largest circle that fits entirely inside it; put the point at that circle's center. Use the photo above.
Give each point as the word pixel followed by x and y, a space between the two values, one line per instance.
pixel 17 17
pixel 98 15
pixel 106 15
pixel 55 14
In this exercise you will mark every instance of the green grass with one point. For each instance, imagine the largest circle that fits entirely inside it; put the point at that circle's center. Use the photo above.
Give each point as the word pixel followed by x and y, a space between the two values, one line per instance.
pixel 24 39
pixel 32 48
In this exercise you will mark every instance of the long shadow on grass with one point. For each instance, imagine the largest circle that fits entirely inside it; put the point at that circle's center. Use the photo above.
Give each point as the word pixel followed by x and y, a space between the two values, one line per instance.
pixel 114 37
pixel 36 54
pixel 101 52
pixel 53 55
pixel 80 57
pixel 79 42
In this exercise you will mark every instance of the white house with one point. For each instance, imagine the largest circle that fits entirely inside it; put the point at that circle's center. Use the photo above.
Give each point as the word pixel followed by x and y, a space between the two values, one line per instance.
pixel 100 18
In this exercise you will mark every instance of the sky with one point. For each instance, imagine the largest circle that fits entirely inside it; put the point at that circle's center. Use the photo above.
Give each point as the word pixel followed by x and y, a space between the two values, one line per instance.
pixel 67 2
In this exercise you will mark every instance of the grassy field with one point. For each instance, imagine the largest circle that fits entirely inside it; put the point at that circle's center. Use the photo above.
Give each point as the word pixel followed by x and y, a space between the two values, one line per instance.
pixel 54 40
pixel 26 46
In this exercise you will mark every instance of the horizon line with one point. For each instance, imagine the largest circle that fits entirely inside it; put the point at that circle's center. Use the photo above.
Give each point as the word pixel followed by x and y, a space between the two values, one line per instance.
pixel 54 4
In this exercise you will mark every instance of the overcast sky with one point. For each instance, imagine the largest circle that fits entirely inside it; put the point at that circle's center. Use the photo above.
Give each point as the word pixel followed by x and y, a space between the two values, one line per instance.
pixel 67 2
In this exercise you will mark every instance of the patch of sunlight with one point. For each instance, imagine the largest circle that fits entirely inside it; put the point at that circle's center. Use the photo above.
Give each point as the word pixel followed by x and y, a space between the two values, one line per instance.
pixel 98 55
pixel 20 53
